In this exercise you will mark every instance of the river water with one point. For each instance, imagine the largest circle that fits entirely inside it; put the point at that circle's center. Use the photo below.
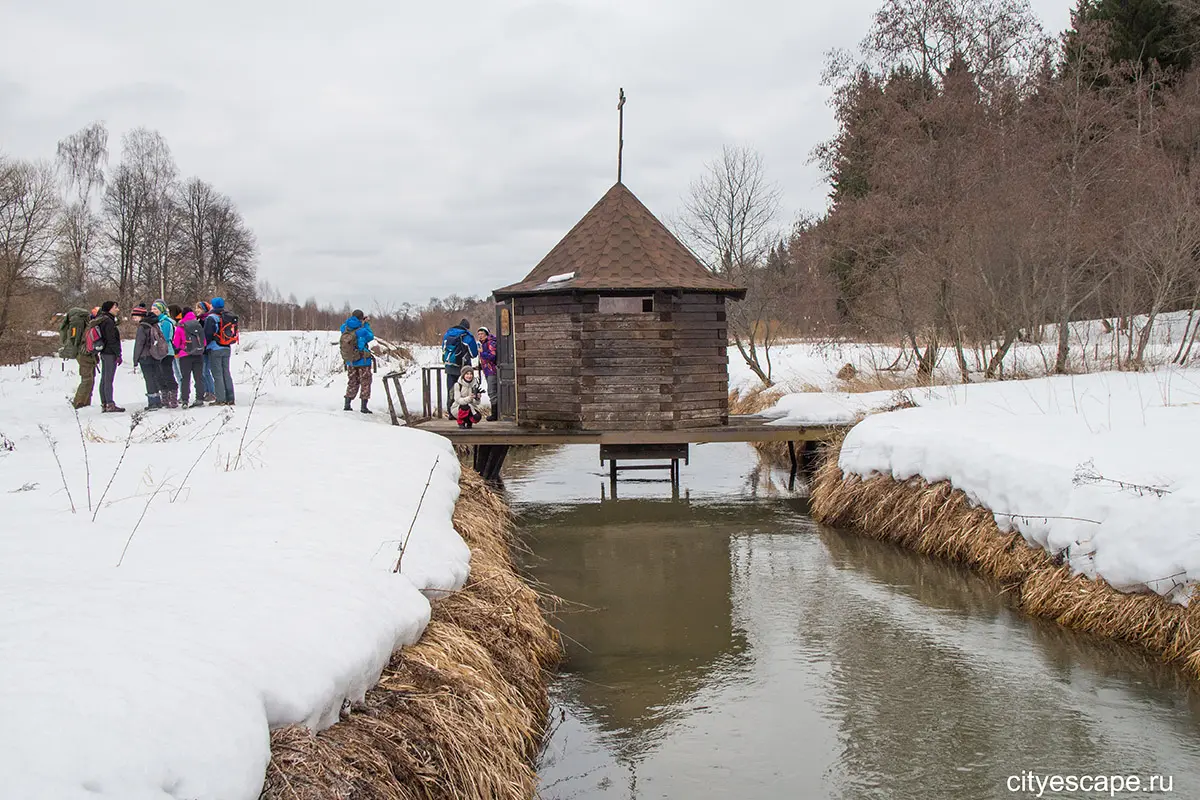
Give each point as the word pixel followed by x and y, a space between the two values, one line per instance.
pixel 724 645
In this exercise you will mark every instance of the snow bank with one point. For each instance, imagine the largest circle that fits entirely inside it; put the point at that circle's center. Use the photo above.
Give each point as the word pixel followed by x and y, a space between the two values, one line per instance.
pixel 256 591
pixel 1100 468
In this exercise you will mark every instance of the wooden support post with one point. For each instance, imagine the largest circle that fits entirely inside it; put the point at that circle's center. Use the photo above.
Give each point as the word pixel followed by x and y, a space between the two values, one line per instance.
pixel 810 457
pixel 792 456
pixel 391 405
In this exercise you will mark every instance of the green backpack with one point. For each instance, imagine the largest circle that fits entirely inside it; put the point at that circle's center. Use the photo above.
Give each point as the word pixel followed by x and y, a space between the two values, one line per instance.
pixel 71 332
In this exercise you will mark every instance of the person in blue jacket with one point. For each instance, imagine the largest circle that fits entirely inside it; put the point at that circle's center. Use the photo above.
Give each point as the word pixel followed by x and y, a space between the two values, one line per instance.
pixel 355 345
pixel 218 354
pixel 458 349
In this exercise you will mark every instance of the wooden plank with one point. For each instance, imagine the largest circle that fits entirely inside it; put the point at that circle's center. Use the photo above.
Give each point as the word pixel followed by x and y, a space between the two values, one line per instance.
pixel 608 417
pixel 632 409
pixel 546 415
pixel 631 389
pixel 594 375
pixel 542 345
pixel 710 368
pixel 532 367
pixel 629 334
pixel 697 298
pixel 699 405
pixel 630 401
pixel 600 345
pixel 623 323
pixel 625 383
pixel 692 334
pixel 552 400
pixel 614 365
pixel 690 317
pixel 695 359
pixel 680 390
pixel 683 397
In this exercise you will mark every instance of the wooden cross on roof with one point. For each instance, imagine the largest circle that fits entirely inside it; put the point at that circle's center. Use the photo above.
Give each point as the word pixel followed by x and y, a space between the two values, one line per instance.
pixel 620 131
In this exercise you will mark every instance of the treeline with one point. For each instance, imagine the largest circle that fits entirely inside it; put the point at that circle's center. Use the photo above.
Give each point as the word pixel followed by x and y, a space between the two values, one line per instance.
pixel 75 230
pixel 423 324
pixel 986 181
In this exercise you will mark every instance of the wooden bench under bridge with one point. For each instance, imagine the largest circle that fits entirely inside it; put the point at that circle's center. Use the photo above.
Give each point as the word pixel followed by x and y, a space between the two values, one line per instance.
pixel 663 450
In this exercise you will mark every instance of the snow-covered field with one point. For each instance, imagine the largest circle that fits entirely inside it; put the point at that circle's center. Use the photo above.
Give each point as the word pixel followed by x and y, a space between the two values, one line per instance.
pixel 224 571
pixel 1099 468
pixel 813 365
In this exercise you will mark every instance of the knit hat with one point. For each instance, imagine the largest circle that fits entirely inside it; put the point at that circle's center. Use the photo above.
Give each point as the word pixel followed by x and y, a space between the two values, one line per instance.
pixel 358 314
pixel 107 306
pixel 218 303
pixel 204 307
pixel 464 324
pixel 139 310
pixel 485 330
pixel 159 307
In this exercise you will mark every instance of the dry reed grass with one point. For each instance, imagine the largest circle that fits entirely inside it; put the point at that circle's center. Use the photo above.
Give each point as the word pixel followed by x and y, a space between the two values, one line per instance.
pixel 939 521
pixel 460 714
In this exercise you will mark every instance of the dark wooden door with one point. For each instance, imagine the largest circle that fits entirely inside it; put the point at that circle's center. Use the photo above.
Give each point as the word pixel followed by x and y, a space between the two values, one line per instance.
pixel 506 359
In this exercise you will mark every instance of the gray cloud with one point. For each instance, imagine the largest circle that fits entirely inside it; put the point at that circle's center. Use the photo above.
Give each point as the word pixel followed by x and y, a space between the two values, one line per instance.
pixel 396 151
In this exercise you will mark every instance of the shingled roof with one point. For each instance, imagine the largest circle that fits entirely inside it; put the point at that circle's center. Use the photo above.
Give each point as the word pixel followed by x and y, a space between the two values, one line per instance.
pixel 619 246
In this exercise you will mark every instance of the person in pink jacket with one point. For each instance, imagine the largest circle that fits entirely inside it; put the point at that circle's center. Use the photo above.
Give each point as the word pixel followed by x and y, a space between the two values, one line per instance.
pixel 189 346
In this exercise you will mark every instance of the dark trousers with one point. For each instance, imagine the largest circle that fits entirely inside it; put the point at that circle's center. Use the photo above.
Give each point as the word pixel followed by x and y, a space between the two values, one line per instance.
pixel 222 379
pixel 493 384
pixel 191 368
pixel 108 371
pixel 150 374
pixel 452 376
pixel 87 380
pixel 166 375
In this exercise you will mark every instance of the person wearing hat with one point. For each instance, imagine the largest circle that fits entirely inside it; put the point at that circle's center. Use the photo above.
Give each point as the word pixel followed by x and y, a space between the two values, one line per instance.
pixel 458 349
pixel 203 310
pixel 218 354
pixel 110 353
pixel 356 352
pixel 142 356
pixel 487 363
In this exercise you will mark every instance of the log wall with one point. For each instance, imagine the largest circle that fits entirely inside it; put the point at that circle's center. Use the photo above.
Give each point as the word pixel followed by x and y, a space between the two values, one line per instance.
pixel 658 370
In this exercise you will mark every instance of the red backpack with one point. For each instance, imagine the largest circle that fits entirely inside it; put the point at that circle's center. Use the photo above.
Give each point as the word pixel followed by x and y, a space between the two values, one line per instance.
pixel 93 340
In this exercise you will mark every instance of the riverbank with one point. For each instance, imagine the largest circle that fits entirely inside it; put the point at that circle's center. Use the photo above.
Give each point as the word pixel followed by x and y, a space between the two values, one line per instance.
pixel 460 714
pixel 175 586
pixel 1076 493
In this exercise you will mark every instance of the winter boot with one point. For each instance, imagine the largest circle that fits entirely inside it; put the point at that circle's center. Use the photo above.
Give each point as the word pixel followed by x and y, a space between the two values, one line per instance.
pixel 171 399
pixel 209 397
pixel 198 403
pixel 364 408
pixel 153 402
pixel 348 408
pixel 112 408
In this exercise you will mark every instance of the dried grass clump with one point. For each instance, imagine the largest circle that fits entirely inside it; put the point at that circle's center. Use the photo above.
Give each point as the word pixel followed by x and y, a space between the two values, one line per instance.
pixel 460 714
pixel 939 521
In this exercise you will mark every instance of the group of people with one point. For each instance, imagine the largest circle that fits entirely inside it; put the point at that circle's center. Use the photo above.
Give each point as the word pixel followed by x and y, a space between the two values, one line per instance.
pixel 173 347
pixel 460 349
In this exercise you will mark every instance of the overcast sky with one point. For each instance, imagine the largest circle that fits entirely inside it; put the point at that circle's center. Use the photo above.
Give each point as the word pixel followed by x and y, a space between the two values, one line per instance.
pixel 387 152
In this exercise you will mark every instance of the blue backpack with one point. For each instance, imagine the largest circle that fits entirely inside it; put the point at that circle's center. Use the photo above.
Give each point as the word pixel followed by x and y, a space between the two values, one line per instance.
pixel 453 347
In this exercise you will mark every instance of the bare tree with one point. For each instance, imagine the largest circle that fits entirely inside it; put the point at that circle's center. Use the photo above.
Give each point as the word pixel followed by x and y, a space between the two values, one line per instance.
pixel 28 229
pixel 81 159
pixel 729 221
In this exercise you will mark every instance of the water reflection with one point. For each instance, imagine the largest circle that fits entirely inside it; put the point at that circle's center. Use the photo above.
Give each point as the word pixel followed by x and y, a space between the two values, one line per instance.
pixel 736 649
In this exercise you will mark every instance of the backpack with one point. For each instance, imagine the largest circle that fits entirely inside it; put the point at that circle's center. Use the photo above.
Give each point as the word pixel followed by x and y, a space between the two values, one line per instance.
pixel 156 343
pixel 93 339
pixel 349 347
pixel 193 338
pixel 73 331
pixel 453 348
pixel 227 329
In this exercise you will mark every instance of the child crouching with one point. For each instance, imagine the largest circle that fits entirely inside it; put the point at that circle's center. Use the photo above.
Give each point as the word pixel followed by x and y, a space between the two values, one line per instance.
pixel 466 399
